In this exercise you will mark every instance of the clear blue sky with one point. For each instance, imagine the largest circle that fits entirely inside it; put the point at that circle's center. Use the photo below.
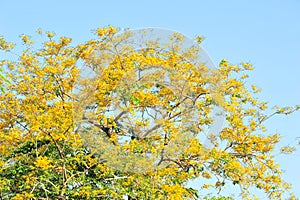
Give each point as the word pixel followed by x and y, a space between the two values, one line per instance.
pixel 266 33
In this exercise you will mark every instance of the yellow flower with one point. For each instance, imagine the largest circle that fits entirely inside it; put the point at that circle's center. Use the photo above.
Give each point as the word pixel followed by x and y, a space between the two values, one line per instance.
pixel 43 162
pixel 39 31
pixel 50 34
pixel 206 175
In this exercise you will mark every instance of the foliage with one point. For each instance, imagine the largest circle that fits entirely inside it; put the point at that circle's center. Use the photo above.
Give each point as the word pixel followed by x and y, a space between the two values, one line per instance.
pixel 218 198
pixel 3 45
pixel 2 79
pixel 134 128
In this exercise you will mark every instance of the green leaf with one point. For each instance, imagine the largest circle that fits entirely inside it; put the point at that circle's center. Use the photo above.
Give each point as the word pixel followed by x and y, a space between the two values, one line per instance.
pixel 135 100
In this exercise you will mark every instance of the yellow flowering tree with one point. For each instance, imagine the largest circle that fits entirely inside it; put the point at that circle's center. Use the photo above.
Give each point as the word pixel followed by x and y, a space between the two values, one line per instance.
pixel 131 128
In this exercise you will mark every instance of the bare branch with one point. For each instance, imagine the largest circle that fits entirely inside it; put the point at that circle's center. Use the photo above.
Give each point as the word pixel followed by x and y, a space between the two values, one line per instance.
pixel 157 126
pixel 106 130
pixel 120 115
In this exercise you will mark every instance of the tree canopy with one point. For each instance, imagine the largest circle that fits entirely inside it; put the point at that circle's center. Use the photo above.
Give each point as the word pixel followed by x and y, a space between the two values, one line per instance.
pixel 133 126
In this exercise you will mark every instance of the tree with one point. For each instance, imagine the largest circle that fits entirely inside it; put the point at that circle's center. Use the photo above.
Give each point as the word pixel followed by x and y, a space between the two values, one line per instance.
pixel 133 128
pixel 4 46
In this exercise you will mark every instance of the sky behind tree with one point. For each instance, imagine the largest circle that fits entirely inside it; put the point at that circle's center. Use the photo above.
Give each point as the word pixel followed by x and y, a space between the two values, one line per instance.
pixel 265 33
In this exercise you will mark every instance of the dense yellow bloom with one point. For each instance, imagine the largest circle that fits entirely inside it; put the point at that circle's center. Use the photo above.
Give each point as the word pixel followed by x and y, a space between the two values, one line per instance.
pixel 134 125
pixel 43 162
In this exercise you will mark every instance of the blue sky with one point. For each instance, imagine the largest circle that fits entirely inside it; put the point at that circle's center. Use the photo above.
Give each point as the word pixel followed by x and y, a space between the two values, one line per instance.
pixel 266 33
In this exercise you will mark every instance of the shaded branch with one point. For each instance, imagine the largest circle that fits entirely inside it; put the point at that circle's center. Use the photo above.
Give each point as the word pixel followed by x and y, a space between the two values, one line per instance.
pixel 105 129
